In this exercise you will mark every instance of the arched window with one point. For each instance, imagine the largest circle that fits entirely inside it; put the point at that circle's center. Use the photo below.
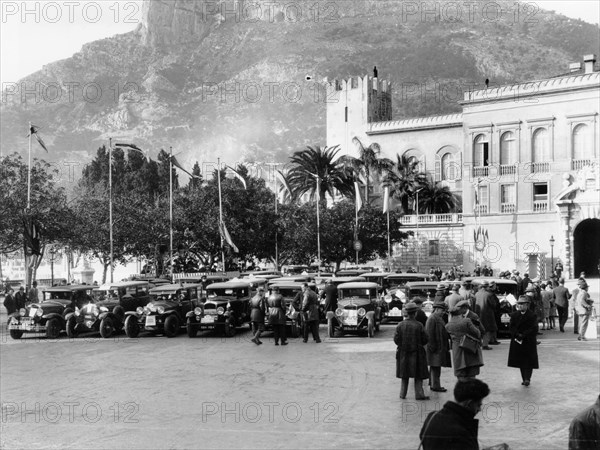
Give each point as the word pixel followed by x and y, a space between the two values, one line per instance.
pixel 416 155
pixel 508 148
pixel 450 167
pixel 541 146
pixel 481 150
pixel 582 148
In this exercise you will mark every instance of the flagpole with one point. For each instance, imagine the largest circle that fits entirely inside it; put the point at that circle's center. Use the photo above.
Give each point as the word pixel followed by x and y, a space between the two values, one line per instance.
pixel 110 206
pixel 29 173
pixel 220 212
pixel 356 230
pixel 276 246
pixel 318 227
pixel 388 237
pixel 171 209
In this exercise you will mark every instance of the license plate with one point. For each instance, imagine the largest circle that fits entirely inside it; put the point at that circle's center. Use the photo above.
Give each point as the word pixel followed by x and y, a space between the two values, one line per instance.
pixel 351 318
pixel 505 318
pixel 150 321
pixel 207 319
pixel 32 312
pixel 395 312
pixel 89 323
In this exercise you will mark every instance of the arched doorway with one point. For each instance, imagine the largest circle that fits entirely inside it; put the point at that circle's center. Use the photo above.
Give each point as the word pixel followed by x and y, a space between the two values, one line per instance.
pixel 586 242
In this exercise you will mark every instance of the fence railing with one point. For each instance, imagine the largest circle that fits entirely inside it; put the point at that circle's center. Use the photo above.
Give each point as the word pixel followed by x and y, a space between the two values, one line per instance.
pixel 508 208
pixel 540 205
pixel 432 219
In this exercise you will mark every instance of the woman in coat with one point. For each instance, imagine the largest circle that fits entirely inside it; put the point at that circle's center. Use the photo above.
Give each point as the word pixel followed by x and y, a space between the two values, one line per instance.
pixel 438 346
pixel 466 364
pixel 277 319
pixel 411 361
pixel 523 344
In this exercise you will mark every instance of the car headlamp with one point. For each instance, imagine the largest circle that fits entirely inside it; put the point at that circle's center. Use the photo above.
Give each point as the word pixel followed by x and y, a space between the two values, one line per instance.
pixel 220 311
pixel 147 310
pixel 139 310
pixel 160 309
pixel 388 298
pixel 103 309
pixel 362 312
pixel 198 311
pixel 339 312
pixel 39 312
pixel 77 311
pixel 22 312
pixel 95 311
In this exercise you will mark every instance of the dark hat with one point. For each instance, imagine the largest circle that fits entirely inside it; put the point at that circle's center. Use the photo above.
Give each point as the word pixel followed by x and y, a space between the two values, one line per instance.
pixel 485 283
pixel 440 305
pixel 455 287
pixel 462 303
pixel 523 299
pixel 411 307
pixel 21 288
pixel 441 286
pixel 581 282
pixel 417 300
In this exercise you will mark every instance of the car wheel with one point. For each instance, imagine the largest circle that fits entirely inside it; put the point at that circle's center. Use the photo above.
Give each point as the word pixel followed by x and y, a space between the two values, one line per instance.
pixel 295 331
pixel 71 323
pixel 107 327
pixel 330 328
pixel 371 329
pixel 132 329
pixel 192 331
pixel 171 326
pixel 52 329
pixel 16 334
pixel 229 329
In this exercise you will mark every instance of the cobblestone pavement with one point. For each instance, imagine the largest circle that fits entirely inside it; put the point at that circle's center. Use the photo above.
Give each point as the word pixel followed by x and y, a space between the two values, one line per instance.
pixel 212 392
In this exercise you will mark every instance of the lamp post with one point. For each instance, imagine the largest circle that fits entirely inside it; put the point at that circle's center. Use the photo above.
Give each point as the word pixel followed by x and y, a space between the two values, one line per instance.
pixel 52 254
pixel 418 240
pixel 551 255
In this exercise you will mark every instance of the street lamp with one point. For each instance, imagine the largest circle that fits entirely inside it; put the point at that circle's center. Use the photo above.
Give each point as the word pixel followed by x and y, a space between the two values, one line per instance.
pixel 418 240
pixel 552 255
pixel 52 255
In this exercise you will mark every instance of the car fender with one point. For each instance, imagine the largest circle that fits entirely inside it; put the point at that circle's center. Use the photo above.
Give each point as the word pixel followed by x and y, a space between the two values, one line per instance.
pixel 69 315
pixel 330 315
pixel 104 314
pixel 190 314
pixel 131 313
pixel 58 316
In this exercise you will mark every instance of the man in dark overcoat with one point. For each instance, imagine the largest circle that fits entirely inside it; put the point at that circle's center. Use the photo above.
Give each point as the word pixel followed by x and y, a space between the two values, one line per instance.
pixel 20 299
pixel 522 353
pixel 438 346
pixel 561 299
pixel 466 365
pixel 440 293
pixel 411 360
pixel 486 309
pixel 331 296
pixel 258 308
pixel 310 308
pixel 9 302
pixel 277 317
pixel 454 297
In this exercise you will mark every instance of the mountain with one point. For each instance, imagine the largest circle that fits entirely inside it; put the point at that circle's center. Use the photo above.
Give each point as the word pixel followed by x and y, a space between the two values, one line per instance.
pixel 210 82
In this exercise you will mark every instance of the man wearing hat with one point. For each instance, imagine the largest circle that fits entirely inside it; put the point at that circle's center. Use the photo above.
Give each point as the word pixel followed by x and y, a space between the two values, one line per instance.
pixel 331 296
pixel 438 346
pixel 440 293
pixel 20 298
pixel 411 360
pixel 522 353
pixel 277 318
pixel 310 306
pixel 561 297
pixel 454 297
pixel 258 308
pixel 583 306
pixel 466 364
pixel 486 302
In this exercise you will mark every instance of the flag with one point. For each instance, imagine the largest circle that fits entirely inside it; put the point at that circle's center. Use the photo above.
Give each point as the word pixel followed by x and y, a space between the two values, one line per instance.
pixel 386 199
pixel 33 131
pixel 132 146
pixel 180 167
pixel 358 200
pixel 31 234
pixel 239 176
pixel 225 235
pixel 476 199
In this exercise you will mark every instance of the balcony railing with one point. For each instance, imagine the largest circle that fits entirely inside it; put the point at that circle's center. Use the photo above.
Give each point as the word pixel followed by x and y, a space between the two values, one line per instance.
pixel 540 167
pixel 432 219
pixel 508 169
pixel 578 164
pixel 482 210
pixel 508 208
pixel 540 205
pixel 481 171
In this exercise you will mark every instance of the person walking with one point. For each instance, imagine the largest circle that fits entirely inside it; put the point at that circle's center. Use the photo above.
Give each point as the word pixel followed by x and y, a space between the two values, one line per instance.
pixel 20 299
pixel 331 296
pixel 547 298
pixel 584 430
pixel 9 302
pixel 454 427
pixel 486 310
pixel 523 328
pixel 466 364
pixel 438 346
pixel 277 315
pixel 440 293
pixel 258 308
pixel 310 307
pixel 561 300
pixel 583 306
pixel 411 360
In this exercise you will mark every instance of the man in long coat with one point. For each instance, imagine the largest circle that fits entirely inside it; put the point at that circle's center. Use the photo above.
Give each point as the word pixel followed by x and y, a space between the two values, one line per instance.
pixel 310 307
pixel 466 365
pixel 486 309
pixel 438 346
pixel 277 317
pixel 523 344
pixel 411 360
pixel 561 299
pixel 454 297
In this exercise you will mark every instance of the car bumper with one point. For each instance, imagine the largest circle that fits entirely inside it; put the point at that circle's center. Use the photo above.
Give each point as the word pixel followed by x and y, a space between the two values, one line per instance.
pixel 207 322
pixel 26 326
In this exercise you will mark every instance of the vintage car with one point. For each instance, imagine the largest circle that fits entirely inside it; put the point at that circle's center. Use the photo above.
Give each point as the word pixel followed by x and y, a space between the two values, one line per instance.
pixel 290 291
pixel 294 270
pixel 359 308
pixel 49 315
pixel 507 292
pixel 227 306
pixel 260 273
pixel 290 279
pixel 395 296
pixel 155 281
pixel 166 311
pixel 106 314
pixel 210 279
pixel 350 272
pixel 424 290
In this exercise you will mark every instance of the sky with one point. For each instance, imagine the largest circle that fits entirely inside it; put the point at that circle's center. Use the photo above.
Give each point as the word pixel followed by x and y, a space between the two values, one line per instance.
pixel 35 33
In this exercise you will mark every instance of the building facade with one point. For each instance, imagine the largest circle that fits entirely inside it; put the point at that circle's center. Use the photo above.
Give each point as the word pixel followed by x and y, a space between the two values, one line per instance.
pixel 523 157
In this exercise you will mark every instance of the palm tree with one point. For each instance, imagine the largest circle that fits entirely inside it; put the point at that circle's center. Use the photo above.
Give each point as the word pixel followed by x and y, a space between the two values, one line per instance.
pixel 435 198
pixel 404 179
pixel 314 168
pixel 368 163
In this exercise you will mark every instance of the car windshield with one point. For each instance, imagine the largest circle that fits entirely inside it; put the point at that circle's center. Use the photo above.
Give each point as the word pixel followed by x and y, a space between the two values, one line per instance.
pixel 505 289
pixel 422 292
pixel 289 292
pixel 395 283
pixel 357 293
pixel 105 294
pixel 231 292
pixel 64 295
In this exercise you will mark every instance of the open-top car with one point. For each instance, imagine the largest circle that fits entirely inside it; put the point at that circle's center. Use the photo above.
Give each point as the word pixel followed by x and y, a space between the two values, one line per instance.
pixel 423 290
pixel 106 314
pixel 49 315
pixel 292 295
pixel 359 309
pixel 507 292
pixel 227 306
pixel 166 311
pixel 395 296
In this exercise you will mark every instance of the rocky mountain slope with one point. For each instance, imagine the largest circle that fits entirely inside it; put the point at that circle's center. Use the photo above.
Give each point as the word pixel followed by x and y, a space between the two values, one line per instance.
pixel 198 77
